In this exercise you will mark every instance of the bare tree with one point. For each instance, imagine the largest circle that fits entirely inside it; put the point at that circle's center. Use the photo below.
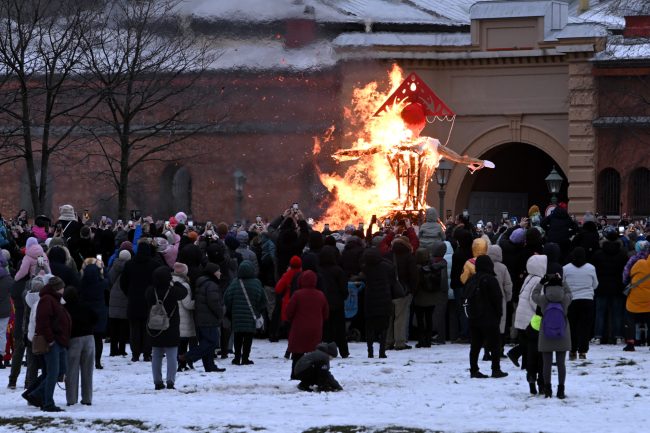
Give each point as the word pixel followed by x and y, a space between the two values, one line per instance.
pixel 146 63
pixel 43 93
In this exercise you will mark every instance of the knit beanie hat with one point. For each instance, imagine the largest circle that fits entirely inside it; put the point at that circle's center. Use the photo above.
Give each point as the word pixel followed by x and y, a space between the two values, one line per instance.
pixel 31 241
pixel 181 217
pixel 66 213
pixel 161 277
pixel 518 236
pixel 180 268
pixel 231 242
pixel 57 242
pixel 125 255
pixel 126 245
pixel 295 262
pixel 641 246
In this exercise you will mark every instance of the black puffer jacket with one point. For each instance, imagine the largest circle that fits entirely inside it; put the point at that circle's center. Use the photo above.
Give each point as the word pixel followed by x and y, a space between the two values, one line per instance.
pixel 351 256
pixel 487 306
pixel 407 269
pixel 380 278
pixel 588 238
pixel 609 263
pixel 462 254
pixel 559 228
pixel 335 283
pixel 57 259
pixel 135 280
pixel 208 299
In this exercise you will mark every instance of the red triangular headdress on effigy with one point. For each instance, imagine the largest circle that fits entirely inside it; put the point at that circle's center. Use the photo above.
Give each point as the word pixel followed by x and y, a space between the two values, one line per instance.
pixel 415 90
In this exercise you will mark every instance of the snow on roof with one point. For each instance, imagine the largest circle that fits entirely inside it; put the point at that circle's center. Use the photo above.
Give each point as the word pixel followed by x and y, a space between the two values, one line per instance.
pixel 257 54
pixel 457 10
pixel 510 9
pixel 620 48
pixel 388 11
pixel 581 30
pixel 604 12
pixel 348 40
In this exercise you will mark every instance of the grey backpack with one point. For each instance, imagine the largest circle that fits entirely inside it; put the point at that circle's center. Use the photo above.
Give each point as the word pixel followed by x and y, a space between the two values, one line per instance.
pixel 158 318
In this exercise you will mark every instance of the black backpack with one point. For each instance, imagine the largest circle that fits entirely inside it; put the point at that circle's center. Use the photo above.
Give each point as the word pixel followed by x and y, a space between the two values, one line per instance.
pixel 431 278
pixel 470 299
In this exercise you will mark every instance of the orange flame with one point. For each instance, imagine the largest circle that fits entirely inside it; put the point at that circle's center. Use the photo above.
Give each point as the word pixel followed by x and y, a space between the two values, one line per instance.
pixel 368 186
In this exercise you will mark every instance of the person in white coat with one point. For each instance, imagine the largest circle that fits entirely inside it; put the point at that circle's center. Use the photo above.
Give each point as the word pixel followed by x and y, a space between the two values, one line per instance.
pixel 581 278
pixel 526 309
pixel 186 313
pixel 505 282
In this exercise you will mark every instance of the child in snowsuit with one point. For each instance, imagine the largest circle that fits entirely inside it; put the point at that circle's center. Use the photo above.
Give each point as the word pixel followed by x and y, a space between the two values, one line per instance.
pixel 314 369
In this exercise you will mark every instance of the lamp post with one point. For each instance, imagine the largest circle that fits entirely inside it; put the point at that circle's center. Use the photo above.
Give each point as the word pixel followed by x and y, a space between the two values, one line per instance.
pixel 240 180
pixel 442 177
pixel 554 183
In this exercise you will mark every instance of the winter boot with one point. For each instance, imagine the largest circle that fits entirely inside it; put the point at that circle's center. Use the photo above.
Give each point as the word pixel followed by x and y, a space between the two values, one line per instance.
pixel 548 390
pixel 513 357
pixel 572 356
pixel 531 384
pixel 582 356
pixel 159 385
pixel 560 392
pixel 371 352
pixel 477 375
pixel 629 347
pixel 498 374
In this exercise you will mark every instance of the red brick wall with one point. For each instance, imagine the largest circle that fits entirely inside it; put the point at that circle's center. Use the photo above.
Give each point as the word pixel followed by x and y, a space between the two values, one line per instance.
pixel 263 125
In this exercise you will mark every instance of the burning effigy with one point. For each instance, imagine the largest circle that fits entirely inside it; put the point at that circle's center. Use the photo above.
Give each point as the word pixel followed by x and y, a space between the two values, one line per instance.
pixel 393 162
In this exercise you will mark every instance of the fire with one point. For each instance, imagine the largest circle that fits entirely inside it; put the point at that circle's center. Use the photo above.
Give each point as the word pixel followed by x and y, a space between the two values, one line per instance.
pixel 368 186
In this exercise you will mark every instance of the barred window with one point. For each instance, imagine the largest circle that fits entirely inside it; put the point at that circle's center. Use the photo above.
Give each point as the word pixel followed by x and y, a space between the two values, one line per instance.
pixel 609 192
pixel 641 191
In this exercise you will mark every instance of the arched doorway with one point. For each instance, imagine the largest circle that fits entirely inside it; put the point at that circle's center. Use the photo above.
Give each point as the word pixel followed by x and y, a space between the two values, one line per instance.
pixel 515 185
pixel 175 190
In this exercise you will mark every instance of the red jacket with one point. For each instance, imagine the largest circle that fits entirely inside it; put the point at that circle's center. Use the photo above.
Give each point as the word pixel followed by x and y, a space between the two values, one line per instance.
pixel 52 319
pixel 385 244
pixel 307 311
pixel 283 288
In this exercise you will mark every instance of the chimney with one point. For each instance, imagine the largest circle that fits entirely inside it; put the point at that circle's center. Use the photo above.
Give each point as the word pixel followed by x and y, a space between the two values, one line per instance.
pixel 301 30
pixel 637 26
pixel 584 6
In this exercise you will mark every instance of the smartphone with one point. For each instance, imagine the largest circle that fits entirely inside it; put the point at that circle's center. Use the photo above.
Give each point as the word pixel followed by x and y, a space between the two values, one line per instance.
pixel 86 214
pixel 387 222
pixel 258 219
pixel 327 226
pixel 479 226
pixel 514 221
pixel 190 223
pixel 99 257
pixel 135 214
pixel 294 206
pixel 621 230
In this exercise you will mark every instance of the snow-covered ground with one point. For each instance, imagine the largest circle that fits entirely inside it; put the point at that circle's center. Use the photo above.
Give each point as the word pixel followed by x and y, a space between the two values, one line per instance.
pixel 420 388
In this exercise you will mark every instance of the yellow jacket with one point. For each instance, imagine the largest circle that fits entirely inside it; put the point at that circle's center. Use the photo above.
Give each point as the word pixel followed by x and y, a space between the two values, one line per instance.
pixel 638 301
pixel 479 248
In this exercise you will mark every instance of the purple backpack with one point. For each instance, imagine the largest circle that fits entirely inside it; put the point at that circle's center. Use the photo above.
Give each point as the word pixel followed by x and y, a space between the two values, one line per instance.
pixel 554 321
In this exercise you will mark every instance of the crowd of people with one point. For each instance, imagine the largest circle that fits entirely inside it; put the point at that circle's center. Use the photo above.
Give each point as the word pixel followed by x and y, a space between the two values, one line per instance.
pixel 179 291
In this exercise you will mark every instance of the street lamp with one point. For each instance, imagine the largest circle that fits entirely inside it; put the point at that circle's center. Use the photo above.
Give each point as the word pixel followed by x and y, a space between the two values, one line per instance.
pixel 442 177
pixel 554 183
pixel 240 180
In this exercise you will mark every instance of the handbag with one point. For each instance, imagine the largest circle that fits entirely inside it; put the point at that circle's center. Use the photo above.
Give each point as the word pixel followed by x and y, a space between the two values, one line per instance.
pixel 40 346
pixel 259 321
pixel 629 287
pixel 397 289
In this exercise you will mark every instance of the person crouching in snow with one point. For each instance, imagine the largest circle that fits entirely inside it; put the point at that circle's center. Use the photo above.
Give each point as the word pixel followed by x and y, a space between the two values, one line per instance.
pixel 313 369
